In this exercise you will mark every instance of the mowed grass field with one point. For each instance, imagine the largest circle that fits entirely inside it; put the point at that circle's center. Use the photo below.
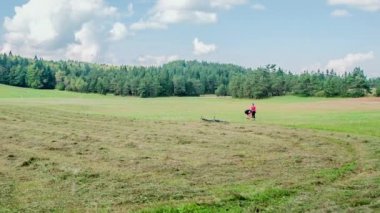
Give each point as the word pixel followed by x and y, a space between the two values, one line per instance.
pixel 71 152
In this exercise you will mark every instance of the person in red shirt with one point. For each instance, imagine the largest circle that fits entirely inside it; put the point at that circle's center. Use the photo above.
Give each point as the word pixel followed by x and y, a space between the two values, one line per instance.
pixel 253 111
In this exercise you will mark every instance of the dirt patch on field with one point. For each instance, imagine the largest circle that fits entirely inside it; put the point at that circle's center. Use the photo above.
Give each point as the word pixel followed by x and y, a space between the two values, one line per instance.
pixel 354 104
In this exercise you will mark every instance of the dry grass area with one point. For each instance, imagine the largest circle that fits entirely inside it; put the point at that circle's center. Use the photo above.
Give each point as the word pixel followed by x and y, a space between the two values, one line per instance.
pixel 52 160
pixel 338 105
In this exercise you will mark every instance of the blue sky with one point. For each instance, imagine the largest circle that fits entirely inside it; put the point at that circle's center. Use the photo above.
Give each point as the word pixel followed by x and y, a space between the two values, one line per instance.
pixel 294 34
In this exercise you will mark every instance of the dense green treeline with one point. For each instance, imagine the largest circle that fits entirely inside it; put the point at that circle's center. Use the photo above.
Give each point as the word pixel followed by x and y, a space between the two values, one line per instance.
pixel 180 78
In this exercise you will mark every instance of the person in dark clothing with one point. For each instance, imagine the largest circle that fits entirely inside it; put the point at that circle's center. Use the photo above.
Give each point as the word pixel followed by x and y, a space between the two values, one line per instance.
pixel 248 113
pixel 253 111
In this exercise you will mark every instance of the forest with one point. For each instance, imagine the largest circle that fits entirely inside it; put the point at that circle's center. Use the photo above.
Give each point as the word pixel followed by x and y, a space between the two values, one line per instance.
pixel 182 78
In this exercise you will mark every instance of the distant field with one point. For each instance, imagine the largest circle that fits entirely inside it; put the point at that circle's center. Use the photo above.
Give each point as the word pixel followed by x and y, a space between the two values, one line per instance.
pixel 353 116
pixel 106 153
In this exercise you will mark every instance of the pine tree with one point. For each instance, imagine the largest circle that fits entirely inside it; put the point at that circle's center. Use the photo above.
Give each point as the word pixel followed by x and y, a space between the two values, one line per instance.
pixel 221 90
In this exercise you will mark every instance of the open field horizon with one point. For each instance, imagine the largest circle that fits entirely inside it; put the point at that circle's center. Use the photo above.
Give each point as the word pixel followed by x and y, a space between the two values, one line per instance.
pixel 350 115
pixel 107 153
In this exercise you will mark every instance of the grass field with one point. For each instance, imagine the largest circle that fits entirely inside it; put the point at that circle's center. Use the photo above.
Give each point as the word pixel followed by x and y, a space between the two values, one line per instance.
pixel 70 152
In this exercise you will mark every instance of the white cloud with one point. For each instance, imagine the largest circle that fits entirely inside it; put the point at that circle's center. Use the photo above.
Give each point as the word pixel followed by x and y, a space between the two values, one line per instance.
pixel 340 13
pixel 53 29
pixel 118 31
pixel 86 47
pixel 143 25
pixel 150 60
pixel 177 16
pixel 349 61
pixel 167 12
pixel 226 4
pixel 342 65
pixel 258 7
pixel 368 5
pixel 201 48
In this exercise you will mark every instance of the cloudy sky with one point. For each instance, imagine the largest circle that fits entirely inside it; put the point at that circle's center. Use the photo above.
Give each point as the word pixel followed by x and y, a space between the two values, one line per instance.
pixel 294 34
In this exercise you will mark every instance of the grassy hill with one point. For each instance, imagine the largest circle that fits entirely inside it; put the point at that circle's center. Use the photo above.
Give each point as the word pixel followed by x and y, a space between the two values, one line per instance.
pixel 106 153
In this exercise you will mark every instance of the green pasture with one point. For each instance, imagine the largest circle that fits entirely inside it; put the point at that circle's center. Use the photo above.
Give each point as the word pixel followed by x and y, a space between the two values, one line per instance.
pixel 351 116
pixel 72 152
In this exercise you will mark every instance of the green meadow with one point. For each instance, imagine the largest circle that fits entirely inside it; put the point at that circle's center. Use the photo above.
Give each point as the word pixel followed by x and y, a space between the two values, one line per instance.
pixel 75 152
pixel 354 116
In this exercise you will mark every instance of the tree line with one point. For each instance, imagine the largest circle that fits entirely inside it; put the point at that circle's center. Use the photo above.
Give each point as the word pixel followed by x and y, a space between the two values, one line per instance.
pixel 181 78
